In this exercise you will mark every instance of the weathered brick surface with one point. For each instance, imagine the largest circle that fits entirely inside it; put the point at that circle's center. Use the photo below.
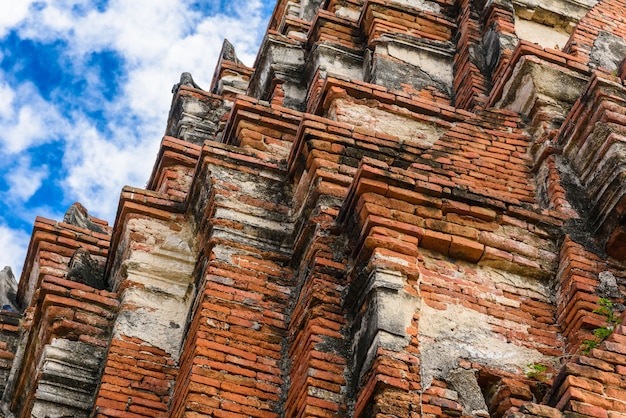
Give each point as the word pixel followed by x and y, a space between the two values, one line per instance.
pixel 231 356
pixel 9 338
pixel 407 209
pixel 60 310
pixel 136 380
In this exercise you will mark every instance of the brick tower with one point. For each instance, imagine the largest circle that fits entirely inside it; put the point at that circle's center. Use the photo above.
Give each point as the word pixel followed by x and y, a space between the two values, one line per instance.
pixel 407 208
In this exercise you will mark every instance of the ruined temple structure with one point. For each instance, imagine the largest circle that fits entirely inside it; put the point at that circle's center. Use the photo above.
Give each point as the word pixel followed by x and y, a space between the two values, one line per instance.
pixel 407 208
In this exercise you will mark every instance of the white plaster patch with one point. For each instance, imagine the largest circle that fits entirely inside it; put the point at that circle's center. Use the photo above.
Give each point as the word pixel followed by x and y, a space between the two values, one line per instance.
pixel 387 313
pixel 158 270
pixel 195 107
pixel 259 222
pixel 396 260
pixel 168 257
pixel 160 264
pixel 338 62
pixel 157 318
pixel 234 203
pixel 538 289
pixel 430 6
pixel 348 13
pixel 573 9
pixel 493 278
pixel 410 131
pixel 462 333
pixel 546 36
pixel 437 65
pixel 532 83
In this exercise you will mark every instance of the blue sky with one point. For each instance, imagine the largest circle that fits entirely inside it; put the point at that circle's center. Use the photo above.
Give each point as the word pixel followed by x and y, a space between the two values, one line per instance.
pixel 84 95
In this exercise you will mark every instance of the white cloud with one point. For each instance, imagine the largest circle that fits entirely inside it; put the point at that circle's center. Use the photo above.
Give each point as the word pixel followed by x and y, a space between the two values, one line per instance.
pixel 156 40
pixel 24 180
pixel 7 94
pixel 11 13
pixel 26 119
pixel 14 244
pixel 167 40
pixel 98 167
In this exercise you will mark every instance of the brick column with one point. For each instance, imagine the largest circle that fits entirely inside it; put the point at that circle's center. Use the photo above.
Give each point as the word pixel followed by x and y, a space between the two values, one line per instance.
pixel 152 273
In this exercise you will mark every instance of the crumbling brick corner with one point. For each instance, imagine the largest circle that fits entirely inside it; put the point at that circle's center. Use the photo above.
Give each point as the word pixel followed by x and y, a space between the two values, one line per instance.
pixel 406 209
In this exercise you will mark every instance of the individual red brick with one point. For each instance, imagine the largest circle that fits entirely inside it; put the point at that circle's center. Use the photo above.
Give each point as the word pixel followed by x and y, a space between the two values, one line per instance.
pixel 436 241
pixel 466 249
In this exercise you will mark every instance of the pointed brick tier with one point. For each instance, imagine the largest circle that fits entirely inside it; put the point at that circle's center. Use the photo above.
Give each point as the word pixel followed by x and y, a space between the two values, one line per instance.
pixel 408 208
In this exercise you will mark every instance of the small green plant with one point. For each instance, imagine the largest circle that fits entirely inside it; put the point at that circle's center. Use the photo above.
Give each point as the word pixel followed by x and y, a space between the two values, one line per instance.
pixel 606 310
pixel 588 345
pixel 600 334
pixel 537 371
